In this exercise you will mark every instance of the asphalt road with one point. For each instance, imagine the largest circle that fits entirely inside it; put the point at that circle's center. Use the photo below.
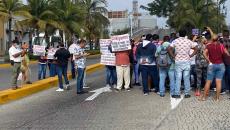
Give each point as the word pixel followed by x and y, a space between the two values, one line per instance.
pixel 112 111
pixel 5 73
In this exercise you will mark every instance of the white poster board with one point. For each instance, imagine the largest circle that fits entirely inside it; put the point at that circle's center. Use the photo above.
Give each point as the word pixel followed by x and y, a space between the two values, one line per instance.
pixel 51 53
pixel 39 50
pixel 120 43
pixel 107 58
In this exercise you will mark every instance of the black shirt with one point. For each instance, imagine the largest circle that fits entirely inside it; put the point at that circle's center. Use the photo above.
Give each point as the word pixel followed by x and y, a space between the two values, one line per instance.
pixel 62 55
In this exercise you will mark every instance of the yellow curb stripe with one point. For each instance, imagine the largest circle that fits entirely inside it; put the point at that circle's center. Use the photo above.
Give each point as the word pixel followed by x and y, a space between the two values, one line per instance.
pixel 26 90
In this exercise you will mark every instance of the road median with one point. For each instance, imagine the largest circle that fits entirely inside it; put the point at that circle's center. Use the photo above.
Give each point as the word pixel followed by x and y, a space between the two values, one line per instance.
pixel 26 90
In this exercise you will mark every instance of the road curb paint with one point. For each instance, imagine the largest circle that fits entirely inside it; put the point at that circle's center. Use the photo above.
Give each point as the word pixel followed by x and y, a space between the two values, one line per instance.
pixel 26 90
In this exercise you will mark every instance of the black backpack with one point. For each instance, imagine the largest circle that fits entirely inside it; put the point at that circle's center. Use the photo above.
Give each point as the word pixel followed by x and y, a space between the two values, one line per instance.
pixel 163 59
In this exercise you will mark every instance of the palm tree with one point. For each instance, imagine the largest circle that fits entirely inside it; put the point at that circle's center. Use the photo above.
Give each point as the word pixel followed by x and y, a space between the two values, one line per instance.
pixel 9 9
pixel 69 16
pixel 95 22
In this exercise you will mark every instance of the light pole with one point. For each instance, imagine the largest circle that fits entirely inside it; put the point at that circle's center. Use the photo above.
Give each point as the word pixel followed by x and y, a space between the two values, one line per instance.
pixel 131 24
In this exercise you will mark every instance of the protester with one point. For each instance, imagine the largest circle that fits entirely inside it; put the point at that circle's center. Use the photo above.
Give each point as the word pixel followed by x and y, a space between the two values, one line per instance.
pixel 136 64
pixel 147 60
pixel 166 66
pixel 123 70
pixel 201 65
pixel 226 80
pixel 214 55
pixel 80 59
pixel 25 65
pixel 62 56
pixel 193 75
pixel 131 60
pixel 182 47
pixel 15 58
pixel 53 63
pixel 111 76
pixel 42 63
pixel 72 49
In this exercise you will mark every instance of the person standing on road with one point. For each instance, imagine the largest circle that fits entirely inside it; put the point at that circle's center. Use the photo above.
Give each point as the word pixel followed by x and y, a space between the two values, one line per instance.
pixel 62 56
pixel 182 47
pixel 147 60
pixel 136 64
pixel 25 65
pixel 15 58
pixel 72 49
pixel 214 53
pixel 166 66
pixel 42 63
pixel 80 60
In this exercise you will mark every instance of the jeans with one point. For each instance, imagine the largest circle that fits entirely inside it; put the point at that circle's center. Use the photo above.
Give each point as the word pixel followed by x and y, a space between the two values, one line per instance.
pixel 42 71
pixel 146 71
pixel 172 79
pixel 163 72
pixel 62 70
pixel 53 69
pixel 226 79
pixel 182 68
pixel 194 74
pixel 80 77
pixel 73 70
pixel 136 73
pixel 111 75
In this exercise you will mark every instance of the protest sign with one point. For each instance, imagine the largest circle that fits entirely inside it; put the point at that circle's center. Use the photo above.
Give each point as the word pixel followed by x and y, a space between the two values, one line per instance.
pixel 120 43
pixel 51 53
pixel 108 59
pixel 39 50
pixel 104 44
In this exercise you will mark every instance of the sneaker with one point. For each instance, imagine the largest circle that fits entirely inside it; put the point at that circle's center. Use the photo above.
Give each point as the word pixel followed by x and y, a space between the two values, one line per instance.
pixel 117 90
pixel 187 96
pixel 128 89
pixel 175 96
pixel 59 90
pixel 222 92
pixel 85 86
pixel 114 86
pixel 146 94
pixel 83 92
pixel 107 85
pixel 67 87
pixel 158 93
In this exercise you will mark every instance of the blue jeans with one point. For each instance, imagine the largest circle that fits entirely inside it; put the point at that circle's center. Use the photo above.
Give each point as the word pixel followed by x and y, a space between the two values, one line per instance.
pixel 226 79
pixel 136 72
pixel 111 75
pixel 53 69
pixel 182 68
pixel 172 79
pixel 146 71
pixel 62 70
pixel 163 72
pixel 73 70
pixel 80 77
pixel 42 71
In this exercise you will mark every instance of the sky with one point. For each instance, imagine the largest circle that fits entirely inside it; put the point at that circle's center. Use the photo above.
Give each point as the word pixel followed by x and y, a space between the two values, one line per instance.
pixel 127 4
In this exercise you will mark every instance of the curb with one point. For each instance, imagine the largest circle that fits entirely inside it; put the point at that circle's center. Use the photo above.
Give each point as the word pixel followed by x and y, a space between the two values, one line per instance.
pixel 26 90
pixel 7 65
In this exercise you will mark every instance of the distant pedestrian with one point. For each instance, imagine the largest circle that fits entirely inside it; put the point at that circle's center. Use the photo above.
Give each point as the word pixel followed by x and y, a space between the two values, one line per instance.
pixel 147 60
pixel 15 54
pixel 182 47
pixel 80 61
pixel 62 56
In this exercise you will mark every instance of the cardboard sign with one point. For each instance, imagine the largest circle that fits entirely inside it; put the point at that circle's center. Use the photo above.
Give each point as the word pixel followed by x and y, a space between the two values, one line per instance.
pixel 195 31
pixel 104 44
pixel 108 59
pixel 51 53
pixel 39 50
pixel 120 43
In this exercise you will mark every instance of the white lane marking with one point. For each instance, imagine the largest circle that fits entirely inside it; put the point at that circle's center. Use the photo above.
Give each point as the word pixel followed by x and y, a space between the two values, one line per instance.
pixel 175 102
pixel 97 92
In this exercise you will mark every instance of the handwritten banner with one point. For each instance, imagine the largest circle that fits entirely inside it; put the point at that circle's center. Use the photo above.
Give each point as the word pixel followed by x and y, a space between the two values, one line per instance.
pixel 104 45
pixel 120 43
pixel 108 59
pixel 39 50
pixel 51 53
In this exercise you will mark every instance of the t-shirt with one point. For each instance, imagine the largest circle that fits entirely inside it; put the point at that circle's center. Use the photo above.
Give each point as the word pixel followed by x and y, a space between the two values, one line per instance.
pixel 182 47
pixel 72 48
pixel 12 51
pixel 62 56
pixel 215 52
pixel 80 62
pixel 122 58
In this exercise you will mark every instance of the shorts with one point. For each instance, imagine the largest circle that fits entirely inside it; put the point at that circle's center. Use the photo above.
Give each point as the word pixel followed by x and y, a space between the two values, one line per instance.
pixel 215 71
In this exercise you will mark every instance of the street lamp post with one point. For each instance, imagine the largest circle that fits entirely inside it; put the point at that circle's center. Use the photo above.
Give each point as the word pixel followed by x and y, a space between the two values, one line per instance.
pixel 131 24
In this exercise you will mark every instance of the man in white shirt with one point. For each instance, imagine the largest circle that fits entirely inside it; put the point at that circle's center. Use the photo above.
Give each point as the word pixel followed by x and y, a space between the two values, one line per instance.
pixel 15 57
pixel 72 48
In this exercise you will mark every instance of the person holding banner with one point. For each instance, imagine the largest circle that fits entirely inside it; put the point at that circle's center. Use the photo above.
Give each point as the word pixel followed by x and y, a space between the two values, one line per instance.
pixel 62 56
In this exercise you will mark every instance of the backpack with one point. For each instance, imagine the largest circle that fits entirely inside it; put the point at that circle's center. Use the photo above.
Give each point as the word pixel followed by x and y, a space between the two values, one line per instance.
pixel 163 59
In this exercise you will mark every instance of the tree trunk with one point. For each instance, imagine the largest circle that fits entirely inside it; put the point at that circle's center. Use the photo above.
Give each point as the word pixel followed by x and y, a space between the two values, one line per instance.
pixel 10 34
